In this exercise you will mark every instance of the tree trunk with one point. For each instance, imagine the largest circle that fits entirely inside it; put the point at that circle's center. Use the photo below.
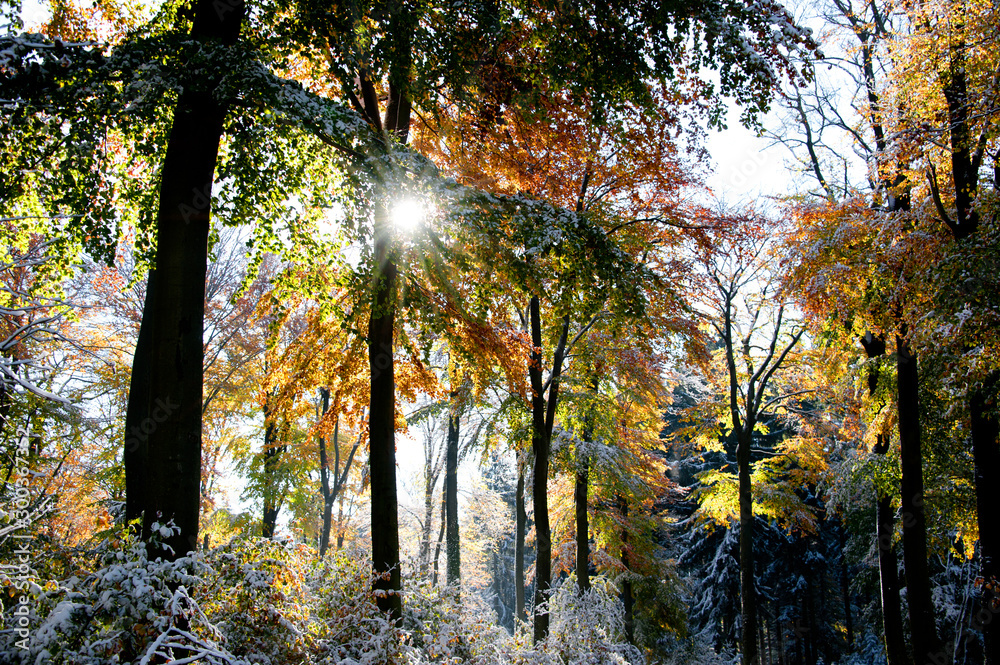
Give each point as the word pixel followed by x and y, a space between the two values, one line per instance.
pixel 273 453
pixel 748 594
pixel 521 519
pixel 892 615
pixel 451 498
pixel 539 493
pixel 924 632
pixel 543 417
pixel 440 539
pixel 580 498
pixel 171 470
pixel 324 477
pixel 138 424
pixel 845 589
pixel 382 425
pixel 582 526
pixel 986 453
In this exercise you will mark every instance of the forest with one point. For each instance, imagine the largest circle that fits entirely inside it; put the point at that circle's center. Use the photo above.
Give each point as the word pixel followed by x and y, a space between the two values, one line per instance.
pixel 421 331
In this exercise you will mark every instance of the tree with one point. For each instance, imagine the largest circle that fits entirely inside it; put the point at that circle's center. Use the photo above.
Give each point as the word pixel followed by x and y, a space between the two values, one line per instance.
pixel 164 472
pixel 756 339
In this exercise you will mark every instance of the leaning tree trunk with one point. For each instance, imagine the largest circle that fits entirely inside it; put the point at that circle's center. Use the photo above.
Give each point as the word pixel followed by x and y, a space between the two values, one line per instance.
pixel 748 593
pixel 451 499
pixel 173 361
pixel 925 642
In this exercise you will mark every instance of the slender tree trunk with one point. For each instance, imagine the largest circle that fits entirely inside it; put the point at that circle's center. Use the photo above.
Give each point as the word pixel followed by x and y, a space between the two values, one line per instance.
pixel 892 616
pixel 451 497
pixel 540 496
pixel 918 587
pixel 543 417
pixel 580 498
pixel 748 593
pixel 986 453
pixel 171 468
pixel 440 538
pixel 845 589
pixel 340 521
pixel 582 526
pixel 628 600
pixel 273 452
pixel 430 479
pixel 382 427
pixel 324 476
pixel 521 523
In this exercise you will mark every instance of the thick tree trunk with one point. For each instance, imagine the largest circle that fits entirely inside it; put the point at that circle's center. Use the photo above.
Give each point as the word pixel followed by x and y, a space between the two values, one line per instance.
pixel 382 425
pixel 918 587
pixel 521 524
pixel 986 453
pixel 138 424
pixel 171 470
pixel 748 593
pixel 451 498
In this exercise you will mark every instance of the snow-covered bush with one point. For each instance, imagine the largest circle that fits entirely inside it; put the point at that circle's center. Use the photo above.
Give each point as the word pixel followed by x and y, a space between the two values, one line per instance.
pixel 129 609
pixel 257 602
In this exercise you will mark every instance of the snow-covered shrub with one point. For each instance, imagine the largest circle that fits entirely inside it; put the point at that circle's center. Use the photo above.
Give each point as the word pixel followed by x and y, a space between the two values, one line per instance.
pixel 129 609
pixel 256 593
pixel 589 628
pixel 353 630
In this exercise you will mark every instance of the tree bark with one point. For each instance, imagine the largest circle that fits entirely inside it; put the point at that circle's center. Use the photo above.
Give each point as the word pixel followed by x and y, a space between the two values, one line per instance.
pixel 892 616
pixel 137 411
pixel 582 526
pixel 451 498
pixel 521 519
pixel 748 593
pixel 921 608
pixel 986 454
pixel 539 494
pixel 324 477
pixel 382 427
pixel 580 498
pixel 171 468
